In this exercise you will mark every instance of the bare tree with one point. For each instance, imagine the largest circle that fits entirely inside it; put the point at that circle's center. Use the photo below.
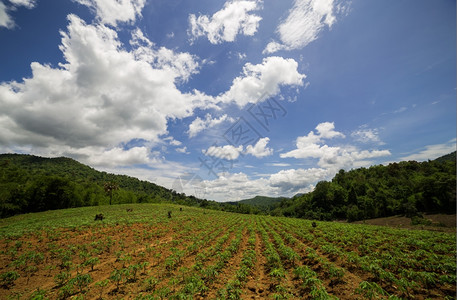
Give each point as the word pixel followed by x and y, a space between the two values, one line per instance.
pixel 109 188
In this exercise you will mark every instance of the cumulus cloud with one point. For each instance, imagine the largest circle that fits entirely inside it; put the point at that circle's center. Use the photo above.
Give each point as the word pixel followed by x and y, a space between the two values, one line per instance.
pixel 262 79
pixel 199 125
pixel 5 19
pixel 260 149
pixel 308 145
pixel 112 12
pixel 326 131
pixel 120 157
pixel 224 25
pixel 172 141
pixel 432 151
pixel 331 157
pixel 305 21
pixel 293 180
pixel 182 150
pixel 227 152
pixel 182 65
pixel 288 182
pixel 237 186
pixel 102 95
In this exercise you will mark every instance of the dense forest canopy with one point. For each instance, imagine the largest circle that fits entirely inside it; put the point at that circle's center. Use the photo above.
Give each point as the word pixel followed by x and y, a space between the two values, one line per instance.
pixel 407 187
pixel 29 184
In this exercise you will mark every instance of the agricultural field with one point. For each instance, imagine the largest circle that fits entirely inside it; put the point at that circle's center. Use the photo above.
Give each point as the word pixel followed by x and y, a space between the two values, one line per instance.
pixel 139 252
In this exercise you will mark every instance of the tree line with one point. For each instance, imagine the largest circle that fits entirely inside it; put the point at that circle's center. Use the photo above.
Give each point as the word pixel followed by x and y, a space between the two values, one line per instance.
pixel 406 188
pixel 30 183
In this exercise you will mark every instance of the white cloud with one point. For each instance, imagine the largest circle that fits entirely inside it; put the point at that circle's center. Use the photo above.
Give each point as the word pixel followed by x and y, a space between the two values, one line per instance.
pixel 119 157
pixel 307 146
pixel 227 152
pixel 367 135
pixel 172 141
pixel 260 149
pixel 237 186
pixel 293 180
pixel 331 157
pixel 5 19
pixel 112 12
pixel 305 21
pixel 342 158
pixel 273 47
pixel 432 151
pixel 102 96
pixel 26 3
pixel 224 25
pixel 326 131
pixel 262 79
pixel 199 125
pixel 182 150
pixel 230 187
pixel 278 164
pixel 182 65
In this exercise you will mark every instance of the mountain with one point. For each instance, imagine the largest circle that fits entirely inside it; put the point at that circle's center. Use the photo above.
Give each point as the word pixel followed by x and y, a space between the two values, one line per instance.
pixel 77 172
pixel 31 183
pixel 262 201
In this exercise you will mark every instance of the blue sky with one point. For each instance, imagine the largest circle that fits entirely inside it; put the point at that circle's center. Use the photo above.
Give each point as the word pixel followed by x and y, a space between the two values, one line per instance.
pixel 229 99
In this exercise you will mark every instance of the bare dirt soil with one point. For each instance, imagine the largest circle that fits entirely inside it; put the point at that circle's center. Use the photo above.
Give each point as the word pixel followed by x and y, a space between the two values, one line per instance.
pixel 163 259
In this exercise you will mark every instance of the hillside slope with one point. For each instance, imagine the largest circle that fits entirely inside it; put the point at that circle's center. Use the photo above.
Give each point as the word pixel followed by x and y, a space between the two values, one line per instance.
pixel 404 188
pixel 76 171
pixel 447 157
pixel 30 183
pixel 262 201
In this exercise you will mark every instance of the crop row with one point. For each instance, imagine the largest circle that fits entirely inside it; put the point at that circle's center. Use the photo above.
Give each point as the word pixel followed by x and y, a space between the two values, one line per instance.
pixel 409 278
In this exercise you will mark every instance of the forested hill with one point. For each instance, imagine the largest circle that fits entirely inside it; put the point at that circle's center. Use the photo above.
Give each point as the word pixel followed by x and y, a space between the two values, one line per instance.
pixel 262 201
pixel 30 183
pixel 400 188
pixel 69 168
pixel 450 156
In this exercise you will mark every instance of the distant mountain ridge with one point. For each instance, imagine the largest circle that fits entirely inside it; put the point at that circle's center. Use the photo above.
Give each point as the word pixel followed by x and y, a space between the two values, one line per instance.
pixel 262 201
